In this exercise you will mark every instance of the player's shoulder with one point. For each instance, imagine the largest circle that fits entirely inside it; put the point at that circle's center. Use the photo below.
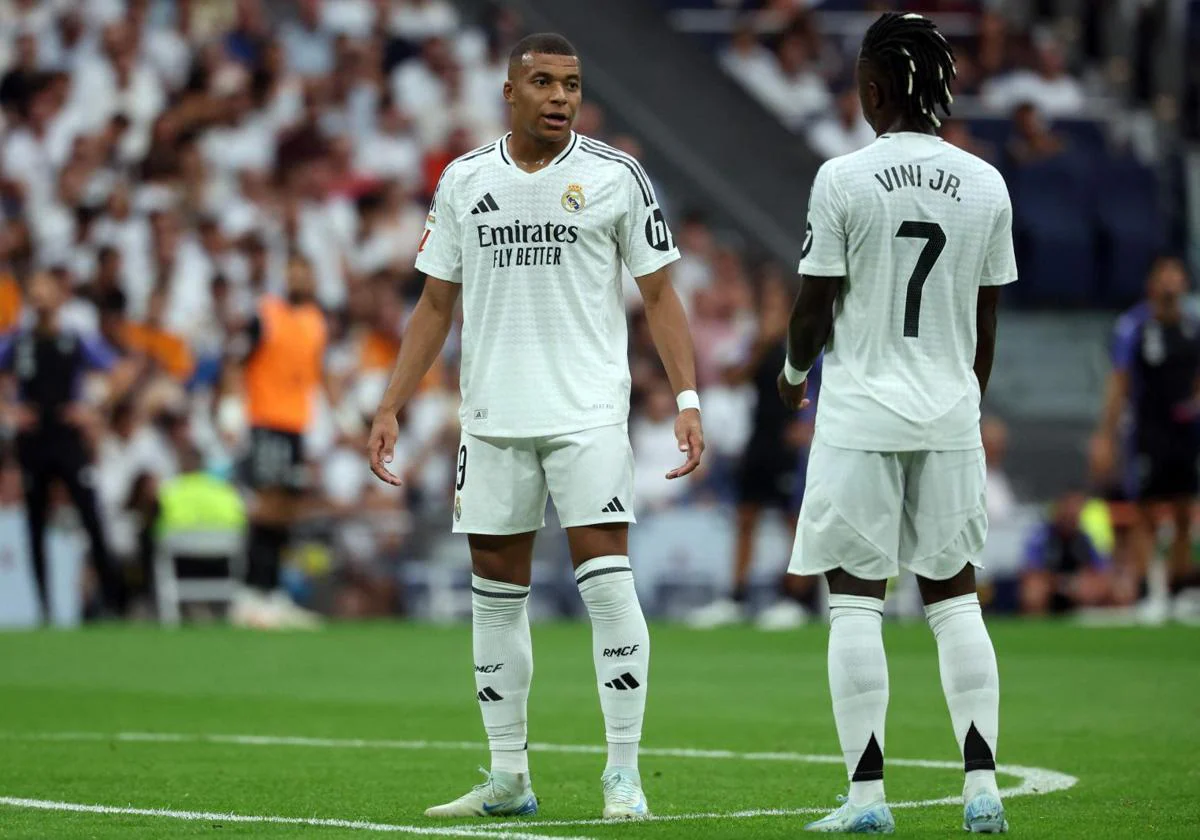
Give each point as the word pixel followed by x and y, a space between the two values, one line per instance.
pixel 1132 320
pixel 972 165
pixel 604 159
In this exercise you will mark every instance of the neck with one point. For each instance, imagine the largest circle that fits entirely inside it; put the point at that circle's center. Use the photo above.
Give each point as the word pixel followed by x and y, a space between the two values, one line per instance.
pixel 906 124
pixel 531 152
pixel 47 322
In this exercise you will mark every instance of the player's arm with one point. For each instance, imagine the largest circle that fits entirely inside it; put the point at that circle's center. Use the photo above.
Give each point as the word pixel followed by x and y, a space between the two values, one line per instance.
pixel 823 271
pixel 985 330
pixel 426 333
pixel 1103 453
pixel 669 328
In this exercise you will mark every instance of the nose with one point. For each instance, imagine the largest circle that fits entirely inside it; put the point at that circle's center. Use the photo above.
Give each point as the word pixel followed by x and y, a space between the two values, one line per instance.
pixel 558 94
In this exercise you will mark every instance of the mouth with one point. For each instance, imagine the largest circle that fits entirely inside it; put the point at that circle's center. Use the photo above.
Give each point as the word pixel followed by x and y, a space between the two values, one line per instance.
pixel 556 120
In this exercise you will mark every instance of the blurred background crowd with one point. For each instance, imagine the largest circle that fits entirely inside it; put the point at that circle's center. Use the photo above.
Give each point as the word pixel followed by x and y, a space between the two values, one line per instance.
pixel 163 163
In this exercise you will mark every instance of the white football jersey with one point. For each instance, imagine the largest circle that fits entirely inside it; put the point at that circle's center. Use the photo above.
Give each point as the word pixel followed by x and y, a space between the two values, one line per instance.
pixel 916 226
pixel 539 256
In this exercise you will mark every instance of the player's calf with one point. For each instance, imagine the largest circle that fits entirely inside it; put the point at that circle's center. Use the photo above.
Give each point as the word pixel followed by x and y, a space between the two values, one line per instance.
pixel 621 652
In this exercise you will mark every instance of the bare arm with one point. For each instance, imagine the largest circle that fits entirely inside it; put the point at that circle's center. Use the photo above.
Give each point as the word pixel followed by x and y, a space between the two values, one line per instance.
pixel 1115 393
pixel 985 328
pixel 809 329
pixel 669 329
pixel 426 333
pixel 422 341
pixel 812 319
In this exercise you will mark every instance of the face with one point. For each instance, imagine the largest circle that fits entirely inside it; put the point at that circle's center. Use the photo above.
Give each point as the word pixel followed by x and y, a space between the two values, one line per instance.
pixel 1168 286
pixel 299 280
pixel 544 92
pixel 46 293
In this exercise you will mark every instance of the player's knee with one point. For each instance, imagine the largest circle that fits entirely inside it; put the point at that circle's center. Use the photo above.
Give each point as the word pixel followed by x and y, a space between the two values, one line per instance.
pixel 606 587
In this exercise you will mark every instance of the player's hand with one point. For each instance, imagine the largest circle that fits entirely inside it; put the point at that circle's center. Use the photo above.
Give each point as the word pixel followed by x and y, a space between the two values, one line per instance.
pixel 381 446
pixel 792 395
pixel 690 435
pixel 1102 457
pixel 79 415
pixel 23 418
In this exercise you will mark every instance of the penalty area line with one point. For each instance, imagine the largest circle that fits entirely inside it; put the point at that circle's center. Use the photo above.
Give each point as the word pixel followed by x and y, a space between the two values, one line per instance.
pixel 216 817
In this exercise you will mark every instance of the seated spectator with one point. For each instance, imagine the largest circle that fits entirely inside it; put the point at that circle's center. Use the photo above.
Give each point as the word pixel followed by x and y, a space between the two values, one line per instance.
pixel 1063 570
pixel 1048 87
pixel 958 133
pixel 844 131
pixel 1032 140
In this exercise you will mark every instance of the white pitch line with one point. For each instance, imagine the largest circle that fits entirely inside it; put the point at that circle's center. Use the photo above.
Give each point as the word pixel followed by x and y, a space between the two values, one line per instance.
pixel 209 816
pixel 1032 780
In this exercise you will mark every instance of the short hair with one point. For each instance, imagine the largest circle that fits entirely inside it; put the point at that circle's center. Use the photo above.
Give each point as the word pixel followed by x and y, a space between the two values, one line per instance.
pixel 917 61
pixel 547 43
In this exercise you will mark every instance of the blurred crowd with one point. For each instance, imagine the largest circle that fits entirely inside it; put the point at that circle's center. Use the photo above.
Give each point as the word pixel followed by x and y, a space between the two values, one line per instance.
pixel 164 162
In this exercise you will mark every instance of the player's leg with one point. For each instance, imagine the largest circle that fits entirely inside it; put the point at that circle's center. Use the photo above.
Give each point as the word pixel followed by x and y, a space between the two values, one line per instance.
pixel 36 482
pixel 590 476
pixel 77 474
pixel 499 503
pixel 272 466
pixel 945 526
pixel 849 531
pixel 1182 569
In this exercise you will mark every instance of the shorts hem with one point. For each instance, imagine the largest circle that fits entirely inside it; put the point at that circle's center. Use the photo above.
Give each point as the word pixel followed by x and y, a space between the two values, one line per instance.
pixel 628 519
pixel 503 531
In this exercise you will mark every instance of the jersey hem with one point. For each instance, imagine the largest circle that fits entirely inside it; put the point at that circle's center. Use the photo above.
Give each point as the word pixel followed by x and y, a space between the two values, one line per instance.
pixel 552 431
pixel 1004 281
pixel 436 271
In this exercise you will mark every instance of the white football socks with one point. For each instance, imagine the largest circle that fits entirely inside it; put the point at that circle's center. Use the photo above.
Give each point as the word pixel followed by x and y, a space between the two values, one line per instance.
pixel 621 650
pixel 503 669
pixel 971 682
pixel 858 683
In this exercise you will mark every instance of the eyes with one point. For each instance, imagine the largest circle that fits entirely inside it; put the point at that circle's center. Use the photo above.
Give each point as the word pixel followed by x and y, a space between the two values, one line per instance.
pixel 542 81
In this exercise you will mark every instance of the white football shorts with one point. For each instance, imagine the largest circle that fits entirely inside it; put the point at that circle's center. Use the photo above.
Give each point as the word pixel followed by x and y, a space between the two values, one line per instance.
pixel 869 513
pixel 502 484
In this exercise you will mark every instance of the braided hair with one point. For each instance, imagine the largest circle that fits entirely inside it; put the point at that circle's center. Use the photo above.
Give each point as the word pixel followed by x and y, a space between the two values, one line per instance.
pixel 916 61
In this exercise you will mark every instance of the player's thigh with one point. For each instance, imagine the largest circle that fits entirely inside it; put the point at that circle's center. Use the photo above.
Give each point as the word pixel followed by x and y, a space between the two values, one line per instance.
pixel 590 475
pixel 850 518
pixel 499 487
pixel 945 512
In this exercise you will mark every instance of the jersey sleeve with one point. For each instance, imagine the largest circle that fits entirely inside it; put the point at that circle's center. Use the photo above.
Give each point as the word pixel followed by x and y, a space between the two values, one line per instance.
pixel 8 345
pixel 439 253
pixel 1000 262
pixel 643 237
pixel 824 252
pixel 98 354
pixel 1125 341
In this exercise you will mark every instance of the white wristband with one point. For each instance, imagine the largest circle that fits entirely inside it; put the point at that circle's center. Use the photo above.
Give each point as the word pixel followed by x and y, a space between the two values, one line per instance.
pixel 687 399
pixel 792 374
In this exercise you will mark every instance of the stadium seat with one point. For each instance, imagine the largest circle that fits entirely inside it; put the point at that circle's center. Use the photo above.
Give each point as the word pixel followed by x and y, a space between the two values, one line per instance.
pixel 1130 226
pixel 1054 233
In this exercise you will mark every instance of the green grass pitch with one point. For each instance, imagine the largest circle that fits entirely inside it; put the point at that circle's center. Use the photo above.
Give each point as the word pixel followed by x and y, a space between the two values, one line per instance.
pixel 1118 709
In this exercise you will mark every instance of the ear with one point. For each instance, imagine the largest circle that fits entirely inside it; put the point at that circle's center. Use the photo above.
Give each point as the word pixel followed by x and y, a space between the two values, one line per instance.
pixel 508 91
pixel 875 94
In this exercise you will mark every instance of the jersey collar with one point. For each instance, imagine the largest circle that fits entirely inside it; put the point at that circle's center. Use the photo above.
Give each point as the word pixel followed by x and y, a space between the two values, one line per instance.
pixel 559 158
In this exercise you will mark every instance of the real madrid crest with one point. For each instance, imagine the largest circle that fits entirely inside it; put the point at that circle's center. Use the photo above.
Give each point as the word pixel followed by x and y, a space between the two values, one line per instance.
pixel 457 508
pixel 573 200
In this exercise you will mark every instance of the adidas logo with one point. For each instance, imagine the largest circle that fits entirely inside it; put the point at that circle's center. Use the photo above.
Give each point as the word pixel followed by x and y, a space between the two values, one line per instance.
pixel 613 507
pixel 488 694
pixel 486 205
pixel 623 682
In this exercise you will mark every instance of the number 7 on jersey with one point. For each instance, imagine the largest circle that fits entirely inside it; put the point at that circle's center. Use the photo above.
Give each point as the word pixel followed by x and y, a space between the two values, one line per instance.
pixel 935 243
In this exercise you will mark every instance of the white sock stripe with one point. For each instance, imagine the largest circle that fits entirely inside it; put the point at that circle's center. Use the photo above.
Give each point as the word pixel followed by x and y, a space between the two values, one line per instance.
pixel 603 565
pixel 497 589
pixel 959 603
pixel 855 602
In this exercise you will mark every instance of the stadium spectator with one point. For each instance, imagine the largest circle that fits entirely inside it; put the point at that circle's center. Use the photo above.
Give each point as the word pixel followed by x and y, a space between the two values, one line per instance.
pixel 1001 500
pixel 844 131
pixel 1032 140
pixel 958 133
pixel 1062 570
pixel 1048 86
